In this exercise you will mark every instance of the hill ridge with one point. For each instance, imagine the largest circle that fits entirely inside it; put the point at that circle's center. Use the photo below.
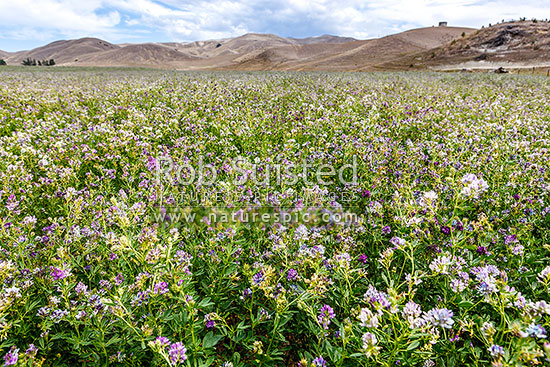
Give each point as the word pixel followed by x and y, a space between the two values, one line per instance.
pixel 437 48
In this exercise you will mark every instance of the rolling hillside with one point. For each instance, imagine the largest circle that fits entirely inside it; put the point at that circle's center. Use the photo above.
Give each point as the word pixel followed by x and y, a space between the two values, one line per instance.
pixel 524 43
pixel 512 44
pixel 63 51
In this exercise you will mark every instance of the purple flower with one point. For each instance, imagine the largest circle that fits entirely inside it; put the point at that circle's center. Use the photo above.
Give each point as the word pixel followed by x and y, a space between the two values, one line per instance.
pixel 458 225
pixel 445 230
pixel 58 274
pixel 363 258
pixel 105 285
pixel 11 357
pixel 140 298
pixel 119 279
pixel 177 352
pixel 377 298
pixel 292 275
pixel 386 230
pixel 210 322
pixel 319 362
pixel 258 278
pixel 496 351
pixel 510 239
pixel 160 288
pixel 482 250
pixel 325 315
pixel 162 340
pixel 57 315
pixel 31 351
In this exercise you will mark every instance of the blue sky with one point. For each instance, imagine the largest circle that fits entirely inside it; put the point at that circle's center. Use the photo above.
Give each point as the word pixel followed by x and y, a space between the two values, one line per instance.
pixel 26 24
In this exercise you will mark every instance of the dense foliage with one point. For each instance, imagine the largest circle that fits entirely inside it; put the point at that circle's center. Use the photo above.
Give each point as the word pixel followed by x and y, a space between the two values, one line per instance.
pixel 445 264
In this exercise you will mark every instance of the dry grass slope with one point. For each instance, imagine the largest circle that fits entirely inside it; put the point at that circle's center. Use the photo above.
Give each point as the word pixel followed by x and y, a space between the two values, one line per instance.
pixel 63 51
pixel 438 48
pixel 513 43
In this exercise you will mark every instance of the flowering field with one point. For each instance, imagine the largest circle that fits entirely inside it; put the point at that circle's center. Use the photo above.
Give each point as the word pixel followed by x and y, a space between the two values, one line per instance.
pixel 272 219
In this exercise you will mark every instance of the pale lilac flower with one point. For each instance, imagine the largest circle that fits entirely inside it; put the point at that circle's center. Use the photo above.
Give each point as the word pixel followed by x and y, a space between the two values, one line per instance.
pixel 473 186
pixel 398 242
pixel 367 318
pixel 301 233
pixel 544 275
pixel 377 298
pixel 31 351
pixel 369 344
pixel 162 341
pixel 411 312
pixel 460 283
pixel 536 331
pixel 496 351
pixel 488 329
pixel 440 317
pixel 428 199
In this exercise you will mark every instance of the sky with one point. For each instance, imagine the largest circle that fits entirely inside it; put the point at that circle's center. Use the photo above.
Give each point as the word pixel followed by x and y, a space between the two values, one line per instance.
pixel 25 24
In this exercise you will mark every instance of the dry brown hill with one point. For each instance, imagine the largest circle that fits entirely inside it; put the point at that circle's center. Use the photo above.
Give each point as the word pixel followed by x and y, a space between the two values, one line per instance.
pixel 325 38
pixel 351 56
pixel 514 44
pixel 63 51
pixel 146 54
pixel 271 52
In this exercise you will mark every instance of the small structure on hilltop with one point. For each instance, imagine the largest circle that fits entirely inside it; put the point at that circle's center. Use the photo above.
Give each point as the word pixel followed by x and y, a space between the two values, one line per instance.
pixel 442 24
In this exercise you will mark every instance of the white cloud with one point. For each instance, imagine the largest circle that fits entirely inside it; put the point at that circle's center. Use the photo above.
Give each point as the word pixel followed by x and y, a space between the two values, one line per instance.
pixel 64 16
pixel 187 20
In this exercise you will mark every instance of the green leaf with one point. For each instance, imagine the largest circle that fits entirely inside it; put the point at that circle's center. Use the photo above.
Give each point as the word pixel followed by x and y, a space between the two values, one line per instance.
pixel 211 340
pixel 465 304
pixel 236 358
pixel 413 345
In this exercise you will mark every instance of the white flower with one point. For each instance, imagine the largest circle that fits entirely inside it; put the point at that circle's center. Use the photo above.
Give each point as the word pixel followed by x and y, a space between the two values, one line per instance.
pixel 473 186
pixel 544 275
pixel 411 312
pixel 368 319
pixel 369 344
pixel 442 264
pixel 440 317
pixel 428 199
pixel 13 292
pixel 488 329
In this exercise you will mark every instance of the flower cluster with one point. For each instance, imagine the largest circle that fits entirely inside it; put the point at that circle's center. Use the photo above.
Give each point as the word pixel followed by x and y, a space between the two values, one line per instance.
pixel 428 247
